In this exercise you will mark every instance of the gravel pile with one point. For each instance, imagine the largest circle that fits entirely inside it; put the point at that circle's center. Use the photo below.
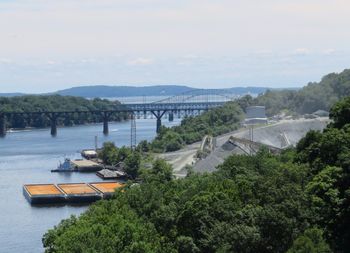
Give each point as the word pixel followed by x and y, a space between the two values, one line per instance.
pixel 294 130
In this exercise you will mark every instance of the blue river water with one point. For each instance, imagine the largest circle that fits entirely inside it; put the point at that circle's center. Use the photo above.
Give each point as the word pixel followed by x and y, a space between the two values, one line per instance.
pixel 27 157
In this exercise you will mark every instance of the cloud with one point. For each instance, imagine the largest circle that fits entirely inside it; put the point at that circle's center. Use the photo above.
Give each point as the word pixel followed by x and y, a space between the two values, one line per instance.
pixel 329 51
pixel 301 51
pixel 140 62
pixel 190 56
pixel 96 41
pixel 5 61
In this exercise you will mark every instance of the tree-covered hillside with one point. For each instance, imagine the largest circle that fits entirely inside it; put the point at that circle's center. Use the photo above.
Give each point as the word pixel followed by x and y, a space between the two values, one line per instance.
pixel 54 103
pixel 153 90
pixel 313 97
pixel 294 202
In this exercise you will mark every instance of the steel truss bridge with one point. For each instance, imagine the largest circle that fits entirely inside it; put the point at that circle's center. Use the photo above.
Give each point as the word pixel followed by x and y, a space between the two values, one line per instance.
pixel 186 103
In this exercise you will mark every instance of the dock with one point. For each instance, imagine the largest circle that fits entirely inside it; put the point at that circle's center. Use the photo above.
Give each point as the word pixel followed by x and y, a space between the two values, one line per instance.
pixel 69 193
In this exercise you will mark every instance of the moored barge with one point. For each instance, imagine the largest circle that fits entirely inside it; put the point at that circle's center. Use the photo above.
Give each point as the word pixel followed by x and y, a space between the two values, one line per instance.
pixel 43 194
pixel 69 192
pixel 79 192
pixel 106 188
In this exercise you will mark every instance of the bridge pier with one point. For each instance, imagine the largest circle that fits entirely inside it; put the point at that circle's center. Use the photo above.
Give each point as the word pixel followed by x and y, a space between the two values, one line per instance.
pixel 2 125
pixel 54 127
pixel 171 116
pixel 158 115
pixel 53 119
pixel 106 116
pixel 159 124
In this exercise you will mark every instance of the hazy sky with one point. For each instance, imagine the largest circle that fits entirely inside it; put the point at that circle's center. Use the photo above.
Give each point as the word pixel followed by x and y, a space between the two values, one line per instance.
pixel 47 45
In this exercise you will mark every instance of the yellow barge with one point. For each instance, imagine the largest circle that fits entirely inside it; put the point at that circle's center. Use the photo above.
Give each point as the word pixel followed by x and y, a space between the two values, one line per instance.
pixel 43 193
pixel 72 192
pixel 106 188
pixel 80 192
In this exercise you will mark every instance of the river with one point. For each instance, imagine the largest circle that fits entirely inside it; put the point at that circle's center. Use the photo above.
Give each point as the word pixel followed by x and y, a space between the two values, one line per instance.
pixel 27 157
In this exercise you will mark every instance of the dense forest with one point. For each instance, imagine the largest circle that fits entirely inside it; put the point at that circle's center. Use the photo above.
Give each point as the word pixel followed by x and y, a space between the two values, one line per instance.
pixel 54 103
pixel 296 202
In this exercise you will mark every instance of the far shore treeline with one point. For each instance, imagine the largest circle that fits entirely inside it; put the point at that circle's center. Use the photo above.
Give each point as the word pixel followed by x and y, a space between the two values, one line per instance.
pixel 55 103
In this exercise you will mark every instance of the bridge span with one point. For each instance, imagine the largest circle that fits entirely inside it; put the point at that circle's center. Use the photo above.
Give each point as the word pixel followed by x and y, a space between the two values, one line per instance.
pixel 198 100
pixel 157 109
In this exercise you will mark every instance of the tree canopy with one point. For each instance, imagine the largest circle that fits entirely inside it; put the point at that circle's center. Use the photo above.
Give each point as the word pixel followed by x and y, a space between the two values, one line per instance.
pixel 314 96
pixel 55 103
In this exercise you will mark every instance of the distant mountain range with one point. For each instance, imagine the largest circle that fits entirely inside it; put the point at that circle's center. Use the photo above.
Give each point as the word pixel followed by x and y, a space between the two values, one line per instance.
pixel 11 94
pixel 159 90
pixel 129 91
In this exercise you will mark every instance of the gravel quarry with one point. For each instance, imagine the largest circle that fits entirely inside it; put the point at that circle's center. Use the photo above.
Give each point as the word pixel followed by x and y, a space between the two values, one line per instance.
pixel 279 134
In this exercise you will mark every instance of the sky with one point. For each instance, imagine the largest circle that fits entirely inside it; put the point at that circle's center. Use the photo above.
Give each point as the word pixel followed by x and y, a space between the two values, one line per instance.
pixel 48 45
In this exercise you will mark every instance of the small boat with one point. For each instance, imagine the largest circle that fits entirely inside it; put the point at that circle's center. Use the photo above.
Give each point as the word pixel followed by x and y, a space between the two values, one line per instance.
pixel 66 166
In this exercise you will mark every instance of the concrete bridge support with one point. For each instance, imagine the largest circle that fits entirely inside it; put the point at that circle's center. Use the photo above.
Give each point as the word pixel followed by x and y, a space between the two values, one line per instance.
pixel 2 125
pixel 159 124
pixel 106 117
pixel 158 115
pixel 53 118
pixel 171 116
pixel 54 127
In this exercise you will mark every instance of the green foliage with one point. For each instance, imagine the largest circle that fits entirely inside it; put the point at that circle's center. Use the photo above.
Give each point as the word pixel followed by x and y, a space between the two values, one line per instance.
pixel 311 241
pixel 247 206
pixel 126 232
pixel 325 195
pixel 55 103
pixel 109 153
pixel 340 113
pixel 329 148
pixel 143 146
pixel 327 154
pixel 192 129
pixel 313 97
pixel 132 164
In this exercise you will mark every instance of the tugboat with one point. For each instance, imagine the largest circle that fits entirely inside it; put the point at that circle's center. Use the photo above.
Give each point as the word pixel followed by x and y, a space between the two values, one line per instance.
pixel 66 166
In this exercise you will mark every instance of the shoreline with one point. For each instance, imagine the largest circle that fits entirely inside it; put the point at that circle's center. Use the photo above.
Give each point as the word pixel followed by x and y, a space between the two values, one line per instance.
pixel 28 129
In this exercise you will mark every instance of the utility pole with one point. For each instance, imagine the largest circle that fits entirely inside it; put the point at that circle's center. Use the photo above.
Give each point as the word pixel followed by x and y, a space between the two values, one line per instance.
pixel 96 145
pixel 133 132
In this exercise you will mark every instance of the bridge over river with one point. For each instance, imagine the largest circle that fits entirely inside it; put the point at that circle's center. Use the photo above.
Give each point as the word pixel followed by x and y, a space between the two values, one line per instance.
pixel 185 103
